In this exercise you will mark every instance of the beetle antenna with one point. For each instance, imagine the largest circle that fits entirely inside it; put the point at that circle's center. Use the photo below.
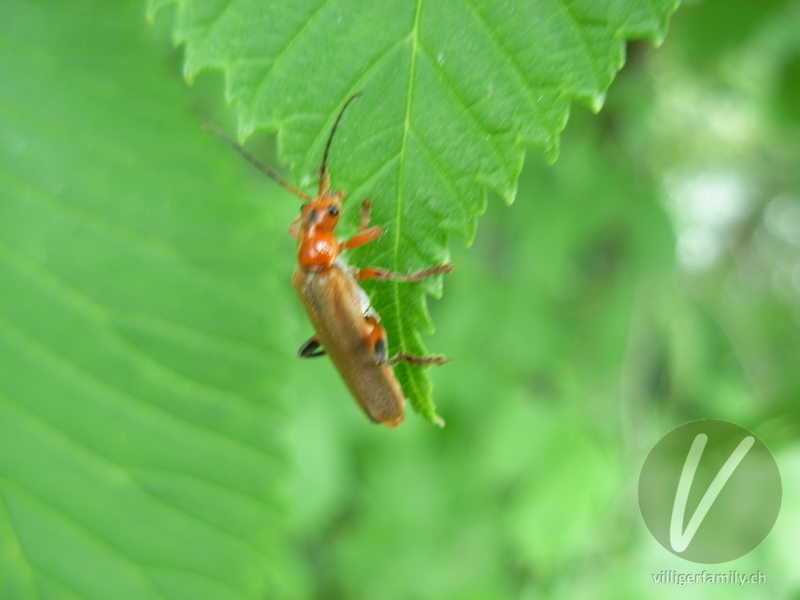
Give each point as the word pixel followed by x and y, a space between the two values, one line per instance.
pixel 255 162
pixel 323 168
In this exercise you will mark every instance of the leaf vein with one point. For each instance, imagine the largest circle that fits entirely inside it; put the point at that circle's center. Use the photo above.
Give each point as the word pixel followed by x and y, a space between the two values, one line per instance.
pixel 401 326
pixel 353 88
pixel 79 527
pixel 466 109
pixel 216 20
pixel 20 550
pixel 129 475
pixel 367 182
pixel 430 155
pixel 84 379
pixel 581 35
pixel 519 71
pixel 51 283
pixel 140 242
pixel 289 45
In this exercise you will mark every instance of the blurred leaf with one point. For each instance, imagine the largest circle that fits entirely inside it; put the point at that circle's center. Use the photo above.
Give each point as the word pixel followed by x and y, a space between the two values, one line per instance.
pixel 139 420
pixel 454 92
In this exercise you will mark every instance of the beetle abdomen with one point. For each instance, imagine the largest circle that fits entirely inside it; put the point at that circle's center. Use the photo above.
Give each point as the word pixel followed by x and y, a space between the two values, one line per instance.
pixel 335 303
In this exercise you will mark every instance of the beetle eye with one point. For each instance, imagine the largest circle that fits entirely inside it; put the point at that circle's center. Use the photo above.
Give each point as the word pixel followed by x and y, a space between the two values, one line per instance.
pixel 333 211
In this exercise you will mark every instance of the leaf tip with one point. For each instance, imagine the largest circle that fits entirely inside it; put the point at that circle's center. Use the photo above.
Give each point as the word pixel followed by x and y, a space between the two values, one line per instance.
pixel 596 102
pixel 551 148
pixel 189 74
pixel 433 417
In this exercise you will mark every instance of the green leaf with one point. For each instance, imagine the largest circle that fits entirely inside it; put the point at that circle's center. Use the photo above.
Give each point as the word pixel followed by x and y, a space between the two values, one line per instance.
pixel 140 454
pixel 453 93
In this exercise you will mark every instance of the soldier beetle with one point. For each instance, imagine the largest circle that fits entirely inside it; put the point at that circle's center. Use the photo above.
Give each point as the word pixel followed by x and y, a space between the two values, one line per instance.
pixel 348 329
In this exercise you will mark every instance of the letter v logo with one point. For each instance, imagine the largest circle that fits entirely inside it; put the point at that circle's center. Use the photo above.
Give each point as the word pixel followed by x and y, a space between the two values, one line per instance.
pixel 710 491
pixel 678 538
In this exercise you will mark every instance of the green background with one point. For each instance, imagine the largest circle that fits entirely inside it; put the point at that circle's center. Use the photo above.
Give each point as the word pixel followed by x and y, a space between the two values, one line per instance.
pixel 158 438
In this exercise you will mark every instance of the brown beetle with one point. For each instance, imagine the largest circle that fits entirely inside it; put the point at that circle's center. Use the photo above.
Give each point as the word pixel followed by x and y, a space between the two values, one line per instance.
pixel 347 328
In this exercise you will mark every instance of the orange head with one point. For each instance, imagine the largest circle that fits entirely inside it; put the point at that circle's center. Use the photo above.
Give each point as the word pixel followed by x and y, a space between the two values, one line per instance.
pixel 321 214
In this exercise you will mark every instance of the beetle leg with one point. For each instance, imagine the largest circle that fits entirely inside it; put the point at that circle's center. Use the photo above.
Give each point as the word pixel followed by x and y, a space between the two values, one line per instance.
pixel 432 359
pixel 294 230
pixel 377 339
pixel 384 275
pixel 366 209
pixel 365 236
pixel 311 349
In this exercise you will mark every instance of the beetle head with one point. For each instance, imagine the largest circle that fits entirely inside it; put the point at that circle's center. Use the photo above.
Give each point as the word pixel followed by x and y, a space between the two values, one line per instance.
pixel 322 213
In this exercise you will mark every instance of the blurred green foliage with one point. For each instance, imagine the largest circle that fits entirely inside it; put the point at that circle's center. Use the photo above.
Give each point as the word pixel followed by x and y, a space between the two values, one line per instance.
pixel 609 304
pixel 649 277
